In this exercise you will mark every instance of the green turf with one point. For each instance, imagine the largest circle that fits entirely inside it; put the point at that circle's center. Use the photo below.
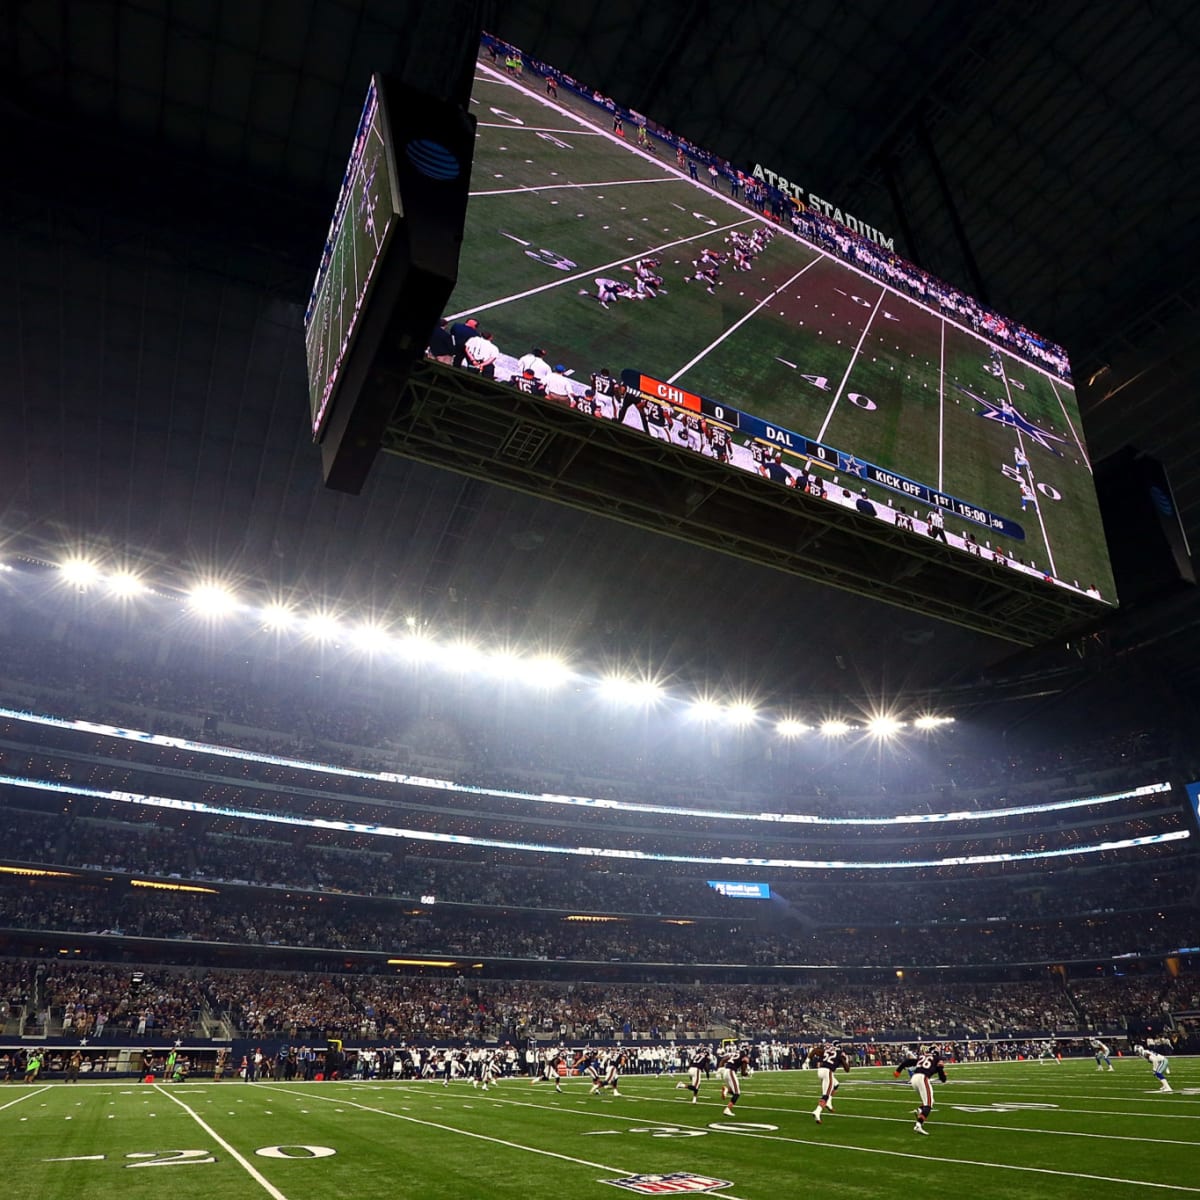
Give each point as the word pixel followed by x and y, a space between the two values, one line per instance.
pixel 884 375
pixel 1004 1130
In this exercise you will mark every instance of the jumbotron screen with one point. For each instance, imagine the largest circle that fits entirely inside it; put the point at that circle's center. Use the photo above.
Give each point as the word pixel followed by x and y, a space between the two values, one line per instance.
pixel 363 221
pixel 612 267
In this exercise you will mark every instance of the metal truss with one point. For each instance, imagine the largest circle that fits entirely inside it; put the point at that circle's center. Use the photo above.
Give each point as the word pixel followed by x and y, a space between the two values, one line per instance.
pixel 479 428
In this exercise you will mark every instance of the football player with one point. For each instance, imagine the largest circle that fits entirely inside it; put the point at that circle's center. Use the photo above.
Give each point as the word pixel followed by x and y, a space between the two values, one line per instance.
pixel 922 1067
pixel 730 1062
pixel 1159 1064
pixel 1101 1051
pixel 698 1064
pixel 827 1059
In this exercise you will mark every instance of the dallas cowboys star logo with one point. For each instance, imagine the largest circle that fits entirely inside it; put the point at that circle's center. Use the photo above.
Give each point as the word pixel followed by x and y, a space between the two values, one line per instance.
pixel 1005 414
pixel 850 464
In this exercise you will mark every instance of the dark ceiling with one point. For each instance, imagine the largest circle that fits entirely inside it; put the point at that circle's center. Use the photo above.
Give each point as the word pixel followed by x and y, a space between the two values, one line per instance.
pixel 172 165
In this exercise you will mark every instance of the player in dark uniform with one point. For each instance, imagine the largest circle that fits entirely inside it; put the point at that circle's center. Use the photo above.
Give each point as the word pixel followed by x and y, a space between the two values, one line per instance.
pixel 731 1062
pixel 698 1065
pixel 693 431
pixel 549 1072
pixel 922 1067
pixel 659 421
pixel 762 454
pixel 721 442
pixel 611 1077
pixel 827 1059
pixel 605 388
pixel 586 404
pixel 528 383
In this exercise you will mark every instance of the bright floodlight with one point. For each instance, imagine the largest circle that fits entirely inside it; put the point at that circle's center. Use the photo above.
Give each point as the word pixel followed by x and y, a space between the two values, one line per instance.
pixel 461 656
pixel 883 726
pixel 371 637
pixel 789 727
pixel 741 714
pixel 417 647
pixel 630 691
pixel 79 572
pixel 929 721
pixel 323 627
pixel 834 728
pixel 211 600
pixel 278 616
pixel 543 671
pixel 705 709
pixel 125 584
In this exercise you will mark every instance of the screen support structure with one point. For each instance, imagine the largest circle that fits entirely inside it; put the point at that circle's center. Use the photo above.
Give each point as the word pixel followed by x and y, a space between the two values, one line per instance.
pixel 476 427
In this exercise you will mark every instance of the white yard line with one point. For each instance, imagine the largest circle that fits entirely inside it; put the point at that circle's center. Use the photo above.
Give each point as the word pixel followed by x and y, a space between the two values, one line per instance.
pixel 238 1157
pixel 536 128
pixel 1037 504
pixel 942 406
pixel 738 324
pixel 593 271
pixel 850 366
pixel 551 187
pixel 28 1096
pixel 482 1137
pixel 1087 462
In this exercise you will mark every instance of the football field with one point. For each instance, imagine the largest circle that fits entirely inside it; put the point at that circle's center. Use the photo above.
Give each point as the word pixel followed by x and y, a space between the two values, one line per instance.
pixel 1008 1131
pixel 800 339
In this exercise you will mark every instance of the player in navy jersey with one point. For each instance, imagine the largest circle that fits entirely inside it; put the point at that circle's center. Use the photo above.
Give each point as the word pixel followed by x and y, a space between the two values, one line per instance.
pixel 693 431
pixel 604 387
pixel 922 1067
pixel 827 1059
pixel 658 420
pixel 721 442
pixel 698 1065
pixel 730 1063
pixel 611 1074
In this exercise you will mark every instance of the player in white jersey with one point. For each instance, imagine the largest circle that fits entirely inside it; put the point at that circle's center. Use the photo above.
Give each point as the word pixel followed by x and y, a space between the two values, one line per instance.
pixel 1159 1064
pixel 611 1077
pixel 1101 1051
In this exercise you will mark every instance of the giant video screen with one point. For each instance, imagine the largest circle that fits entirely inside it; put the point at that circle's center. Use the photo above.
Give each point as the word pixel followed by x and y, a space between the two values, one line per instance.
pixel 614 268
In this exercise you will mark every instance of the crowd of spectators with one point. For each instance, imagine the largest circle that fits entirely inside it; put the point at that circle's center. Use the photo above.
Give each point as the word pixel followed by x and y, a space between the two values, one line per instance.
pixel 154 846
pixel 96 1000
pixel 337 923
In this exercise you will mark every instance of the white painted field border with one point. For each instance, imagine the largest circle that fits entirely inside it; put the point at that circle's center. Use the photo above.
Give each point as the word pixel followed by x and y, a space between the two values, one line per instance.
pixel 559 187
pixel 1037 504
pixel 236 1155
pixel 1070 425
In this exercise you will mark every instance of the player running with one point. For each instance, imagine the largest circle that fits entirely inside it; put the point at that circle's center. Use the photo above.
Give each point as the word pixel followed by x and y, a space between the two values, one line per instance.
pixel 730 1062
pixel 827 1059
pixel 698 1064
pixel 922 1067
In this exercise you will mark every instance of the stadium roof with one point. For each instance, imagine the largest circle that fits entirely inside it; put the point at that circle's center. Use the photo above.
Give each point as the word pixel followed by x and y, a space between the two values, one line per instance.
pixel 173 165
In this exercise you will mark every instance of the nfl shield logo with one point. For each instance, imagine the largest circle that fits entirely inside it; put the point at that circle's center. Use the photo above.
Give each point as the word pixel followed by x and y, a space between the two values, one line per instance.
pixel 669 1185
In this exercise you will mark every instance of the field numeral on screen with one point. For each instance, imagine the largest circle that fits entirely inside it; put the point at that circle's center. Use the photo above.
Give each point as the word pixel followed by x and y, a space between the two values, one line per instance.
pixel 818 381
